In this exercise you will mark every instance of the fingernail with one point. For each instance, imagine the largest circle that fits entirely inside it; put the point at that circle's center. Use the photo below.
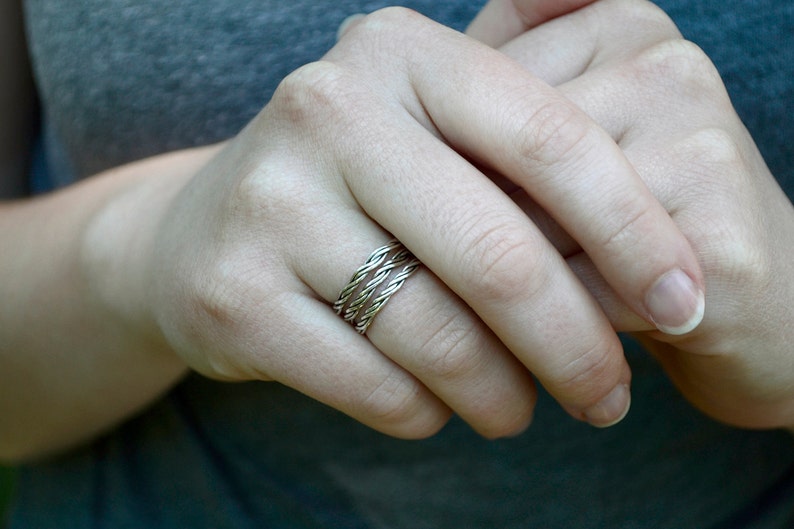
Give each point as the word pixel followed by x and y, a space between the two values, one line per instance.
pixel 612 408
pixel 676 305
pixel 346 23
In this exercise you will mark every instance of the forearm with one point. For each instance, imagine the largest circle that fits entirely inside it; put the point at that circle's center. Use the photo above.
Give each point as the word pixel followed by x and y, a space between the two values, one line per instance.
pixel 77 354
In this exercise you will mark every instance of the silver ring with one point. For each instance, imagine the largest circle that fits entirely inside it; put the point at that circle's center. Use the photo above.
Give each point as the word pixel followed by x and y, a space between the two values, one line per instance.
pixel 363 323
pixel 372 262
pixel 365 294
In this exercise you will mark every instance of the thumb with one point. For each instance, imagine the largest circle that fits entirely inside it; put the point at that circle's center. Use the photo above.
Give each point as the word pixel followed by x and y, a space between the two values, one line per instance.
pixel 500 21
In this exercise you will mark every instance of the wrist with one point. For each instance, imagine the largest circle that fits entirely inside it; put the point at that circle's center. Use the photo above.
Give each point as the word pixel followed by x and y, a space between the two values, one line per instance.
pixel 118 246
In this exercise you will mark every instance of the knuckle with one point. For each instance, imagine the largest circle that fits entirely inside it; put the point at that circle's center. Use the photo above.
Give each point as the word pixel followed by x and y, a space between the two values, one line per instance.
pixel 712 153
pixel 314 91
pixel 680 67
pixel 743 262
pixel 453 351
pixel 629 223
pixel 730 239
pixel 218 297
pixel 392 19
pixel 551 133
pixel 380 35
pixel 735 258
pixel 716 161
pixel 229 294
pixel 206 310
pixel 230 311
pixel 397 405
pixel 502 265
pixel 583 379
pixel 269 194
pixel 380 43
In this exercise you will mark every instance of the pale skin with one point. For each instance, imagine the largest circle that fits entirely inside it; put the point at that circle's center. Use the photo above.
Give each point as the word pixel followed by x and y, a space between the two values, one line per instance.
pixel 242 246
pixel 705 169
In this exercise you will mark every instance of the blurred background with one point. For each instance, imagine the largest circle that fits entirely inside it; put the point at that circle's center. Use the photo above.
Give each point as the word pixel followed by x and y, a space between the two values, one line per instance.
pixel 6 480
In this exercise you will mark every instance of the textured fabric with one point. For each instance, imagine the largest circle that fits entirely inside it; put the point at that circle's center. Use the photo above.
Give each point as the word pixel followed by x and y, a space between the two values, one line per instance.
pixel 125 79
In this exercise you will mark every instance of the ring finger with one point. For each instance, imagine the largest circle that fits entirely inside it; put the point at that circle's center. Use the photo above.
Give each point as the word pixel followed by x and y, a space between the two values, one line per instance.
pixel 426 330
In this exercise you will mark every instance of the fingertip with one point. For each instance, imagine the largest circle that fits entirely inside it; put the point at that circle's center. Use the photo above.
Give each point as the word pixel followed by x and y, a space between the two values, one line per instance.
pixel 520 430
pixel 509 425
pixel 611 409
pixel 423 426
pixel 675 303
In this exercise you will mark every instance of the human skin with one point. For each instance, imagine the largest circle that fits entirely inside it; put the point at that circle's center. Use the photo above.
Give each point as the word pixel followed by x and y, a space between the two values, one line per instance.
pixel 243 246
pixel 231 268
pixel 625 63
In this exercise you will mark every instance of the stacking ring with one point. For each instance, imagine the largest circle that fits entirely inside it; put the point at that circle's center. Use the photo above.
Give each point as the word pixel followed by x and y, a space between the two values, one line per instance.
pixel 374 283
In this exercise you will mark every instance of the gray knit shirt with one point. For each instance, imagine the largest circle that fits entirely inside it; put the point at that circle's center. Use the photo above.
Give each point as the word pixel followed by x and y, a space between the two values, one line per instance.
pixel 125 79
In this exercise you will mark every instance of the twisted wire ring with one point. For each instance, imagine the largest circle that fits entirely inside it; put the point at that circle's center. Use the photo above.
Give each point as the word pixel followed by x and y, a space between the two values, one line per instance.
pixel 380 275
pixel 364 295
pixel 372 262
pixel 377 304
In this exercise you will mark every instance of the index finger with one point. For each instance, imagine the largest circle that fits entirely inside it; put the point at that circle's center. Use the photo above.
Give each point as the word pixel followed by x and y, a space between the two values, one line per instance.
pixel 457 221
pixel 503 116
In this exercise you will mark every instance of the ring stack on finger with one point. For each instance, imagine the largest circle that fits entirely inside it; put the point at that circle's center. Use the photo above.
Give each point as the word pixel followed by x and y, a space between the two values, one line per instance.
pixel 374 283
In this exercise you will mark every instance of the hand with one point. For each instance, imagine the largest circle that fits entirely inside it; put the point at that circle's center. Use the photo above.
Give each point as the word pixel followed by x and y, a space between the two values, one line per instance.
pixel 238 273
pixel 626 65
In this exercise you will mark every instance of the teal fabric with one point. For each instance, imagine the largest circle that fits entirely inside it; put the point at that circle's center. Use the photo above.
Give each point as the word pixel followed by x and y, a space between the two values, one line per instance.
pixel 260 455
pixel 6 486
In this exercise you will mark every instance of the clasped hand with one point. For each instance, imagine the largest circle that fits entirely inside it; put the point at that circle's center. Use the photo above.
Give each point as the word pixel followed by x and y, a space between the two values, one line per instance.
pixel 628 197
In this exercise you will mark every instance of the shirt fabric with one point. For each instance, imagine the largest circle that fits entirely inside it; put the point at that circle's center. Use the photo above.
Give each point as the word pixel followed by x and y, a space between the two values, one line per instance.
pixel 123 79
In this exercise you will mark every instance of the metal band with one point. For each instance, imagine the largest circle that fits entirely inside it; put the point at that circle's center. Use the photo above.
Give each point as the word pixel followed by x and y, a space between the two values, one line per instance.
pixel 379 276
pixel 364 295
pixel 372 262
pixel 368 315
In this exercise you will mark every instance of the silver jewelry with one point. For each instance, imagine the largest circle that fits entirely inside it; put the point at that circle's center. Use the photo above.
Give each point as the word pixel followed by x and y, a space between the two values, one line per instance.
pixel 363 323
pixel 378 277
pixel 372 262
pixel 364 295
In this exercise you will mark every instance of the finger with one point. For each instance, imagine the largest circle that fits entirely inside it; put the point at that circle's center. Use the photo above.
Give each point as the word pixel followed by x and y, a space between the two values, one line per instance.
pixel 622 318
pixel 525 292
pixel 600 33
pixel 427 330
pixel 688 164
pixel 562 50
pixel 502 20
pixel 253 319
pixel 629 52
pixel 640 101
pixel 306 224
pixel 719 231
pixel 572 168
pixel 336 366
pixel 473 237
pixel 565 245
pixel 424 328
